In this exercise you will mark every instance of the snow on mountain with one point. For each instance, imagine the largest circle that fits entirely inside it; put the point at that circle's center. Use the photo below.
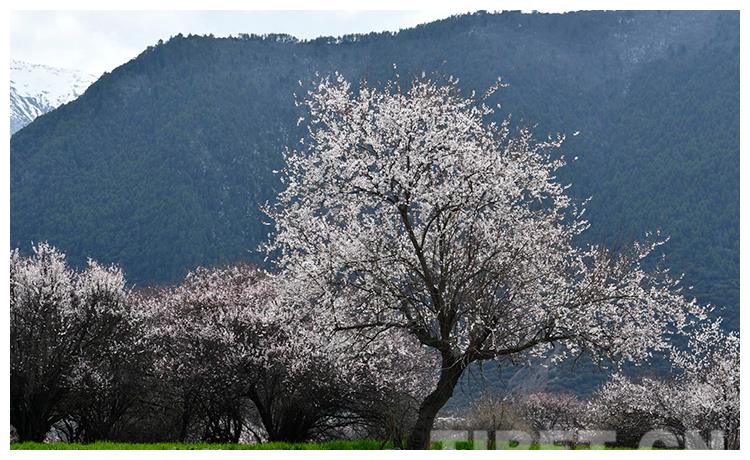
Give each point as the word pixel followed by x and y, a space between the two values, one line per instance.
pixel 36 89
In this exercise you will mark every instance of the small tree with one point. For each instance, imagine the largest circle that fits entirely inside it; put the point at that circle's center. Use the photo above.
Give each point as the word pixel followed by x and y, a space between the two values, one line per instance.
pixel 552 412
pixel 627 408
pixel 209 332
pixel 701 397
pixel 408 209
pixel 57 317
pixel 493 412
pixel 107 381
pixel 711 382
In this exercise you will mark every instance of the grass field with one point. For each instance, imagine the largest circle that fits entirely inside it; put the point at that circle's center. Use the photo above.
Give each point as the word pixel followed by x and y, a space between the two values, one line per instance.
pixel 363 444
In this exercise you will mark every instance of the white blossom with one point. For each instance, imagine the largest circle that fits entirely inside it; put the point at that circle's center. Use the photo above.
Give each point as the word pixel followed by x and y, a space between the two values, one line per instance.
pixel 410 209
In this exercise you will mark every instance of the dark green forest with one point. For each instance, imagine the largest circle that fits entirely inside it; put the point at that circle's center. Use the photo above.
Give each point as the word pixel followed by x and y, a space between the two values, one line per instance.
pixel 162 164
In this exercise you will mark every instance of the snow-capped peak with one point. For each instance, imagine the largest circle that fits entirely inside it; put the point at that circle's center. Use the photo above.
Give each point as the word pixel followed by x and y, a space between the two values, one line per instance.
pixel 36 89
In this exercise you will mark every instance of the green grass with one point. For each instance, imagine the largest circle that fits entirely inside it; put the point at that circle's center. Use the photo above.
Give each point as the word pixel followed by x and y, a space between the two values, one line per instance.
pixel 363 444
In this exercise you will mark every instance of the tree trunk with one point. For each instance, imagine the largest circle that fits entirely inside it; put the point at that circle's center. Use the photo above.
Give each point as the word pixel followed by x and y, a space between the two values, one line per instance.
pixel 31 415
pixel 419 438
pixel 30 426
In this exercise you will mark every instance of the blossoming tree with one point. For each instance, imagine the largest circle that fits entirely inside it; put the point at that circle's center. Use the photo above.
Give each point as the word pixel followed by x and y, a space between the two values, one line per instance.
pixel 59 317
pixel 711 379
pixel 409 209
pixel 699 406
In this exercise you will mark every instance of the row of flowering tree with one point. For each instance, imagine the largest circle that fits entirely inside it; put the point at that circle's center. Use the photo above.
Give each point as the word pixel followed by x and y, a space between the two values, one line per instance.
pixel 216 357
pixel 219 357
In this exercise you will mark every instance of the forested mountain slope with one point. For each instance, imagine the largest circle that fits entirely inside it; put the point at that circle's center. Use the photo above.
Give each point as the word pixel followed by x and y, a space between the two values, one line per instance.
pixel 161 165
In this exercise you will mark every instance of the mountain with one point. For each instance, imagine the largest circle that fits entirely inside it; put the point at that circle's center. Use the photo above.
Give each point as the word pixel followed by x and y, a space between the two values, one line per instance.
pixel 36 89
pixel 161 165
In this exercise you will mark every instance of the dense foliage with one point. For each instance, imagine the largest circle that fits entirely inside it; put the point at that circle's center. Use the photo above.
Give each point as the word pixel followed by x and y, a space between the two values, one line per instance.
pixel 164 163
